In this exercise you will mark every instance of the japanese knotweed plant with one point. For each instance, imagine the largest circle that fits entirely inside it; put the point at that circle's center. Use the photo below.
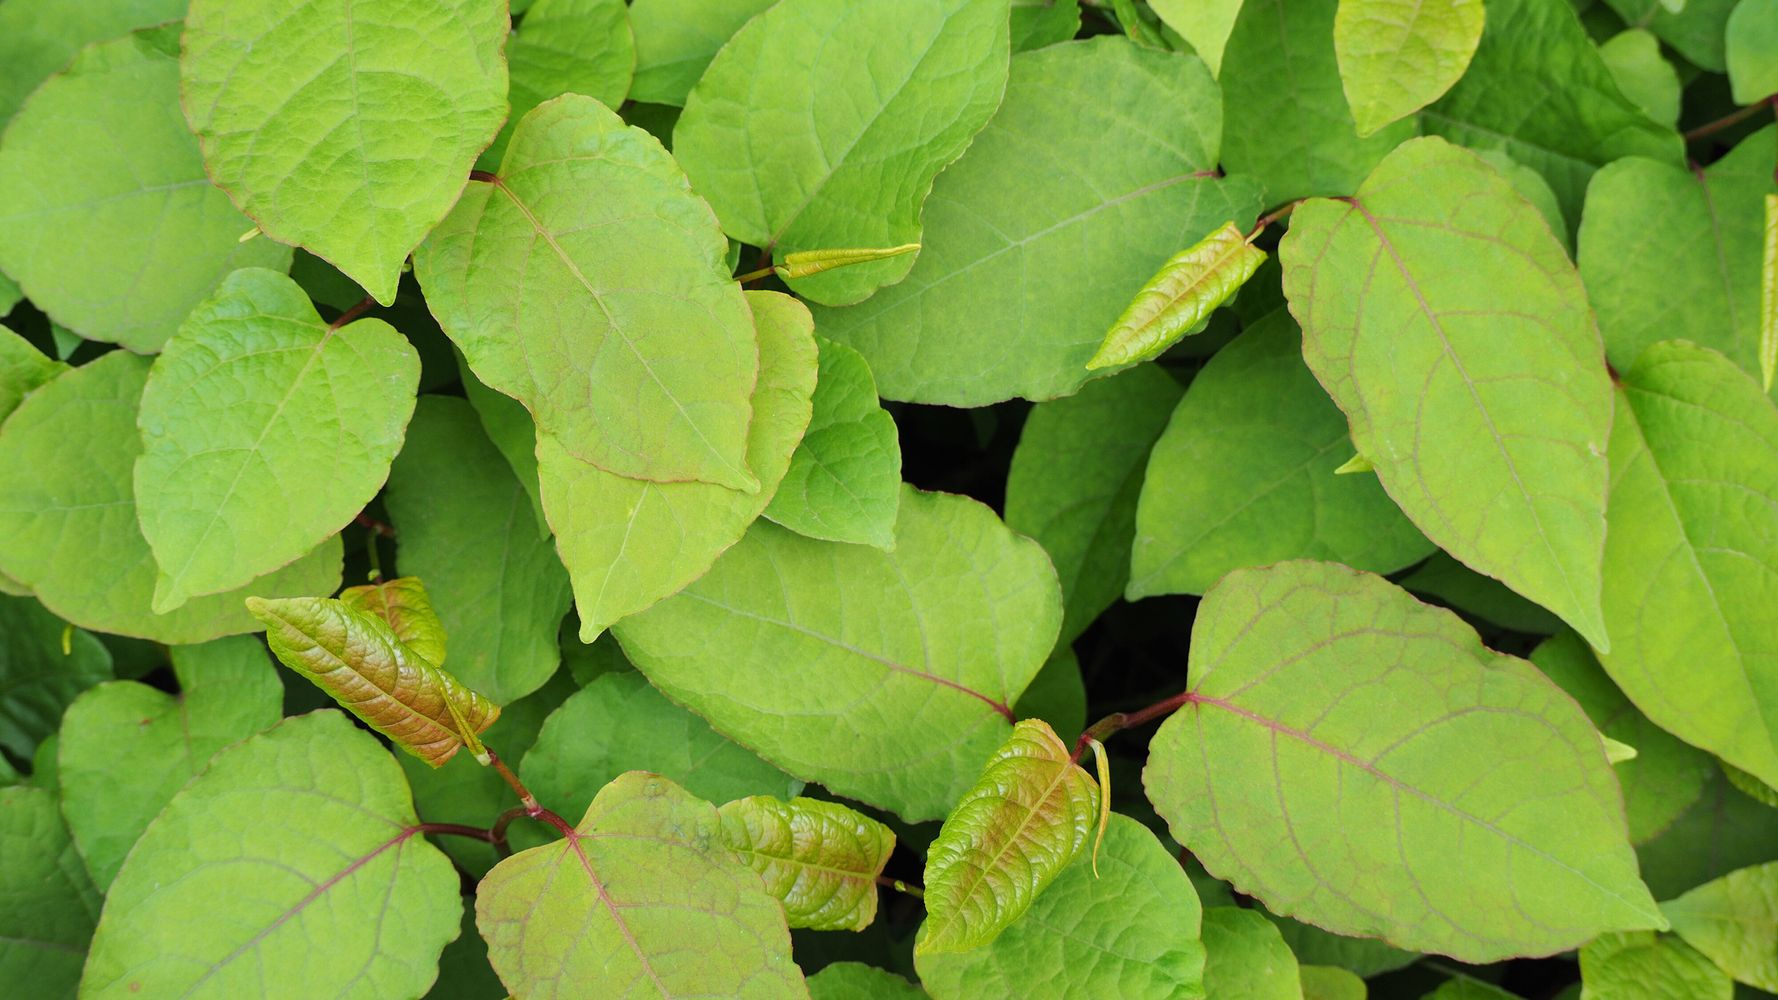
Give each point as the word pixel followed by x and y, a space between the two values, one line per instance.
pixel 1400 494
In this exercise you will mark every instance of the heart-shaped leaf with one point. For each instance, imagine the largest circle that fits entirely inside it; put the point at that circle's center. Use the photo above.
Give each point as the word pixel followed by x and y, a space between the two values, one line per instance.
pixel 820 859
pixel 1012 833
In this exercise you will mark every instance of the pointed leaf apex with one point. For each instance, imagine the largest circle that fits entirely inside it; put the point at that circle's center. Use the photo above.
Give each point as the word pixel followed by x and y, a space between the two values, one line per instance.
pixel 1180 296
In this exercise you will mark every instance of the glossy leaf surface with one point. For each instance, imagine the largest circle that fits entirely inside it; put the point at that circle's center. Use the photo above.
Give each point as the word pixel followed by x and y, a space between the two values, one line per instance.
pixel 820 859
pixel 1180 296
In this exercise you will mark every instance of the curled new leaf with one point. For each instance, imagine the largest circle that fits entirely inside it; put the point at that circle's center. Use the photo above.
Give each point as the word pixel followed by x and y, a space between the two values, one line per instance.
pixel 359 660
pixel 1026 818
pixel 820 858
pixel 1187 288
pixel 803 263
pixel 404 605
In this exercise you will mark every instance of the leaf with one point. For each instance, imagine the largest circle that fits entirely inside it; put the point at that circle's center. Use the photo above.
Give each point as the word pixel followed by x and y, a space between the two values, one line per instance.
pixel 1643 74
pixel 1397 56
pixel 1036 23
pixel 357 659
pixel 1750 786
pixel 1666 777
pixel 1465 988
pixel 1533 188
pixel 1326 982
pixel 508 425
pixel 1734 921
pixel 404 606
pixel 1130 932
pixel 566 47
pixel 1204 24
pixel 1724 831
pixel 1181 295
pixel 63 518
pixel 820 858
pixel 1435 300
pixel 1289 126
pixel 1531 50
pixel 50 905
pixel 1365 957
pixel 329 127
pixel 1640 965
pixel 43 669
pixel 1246 959
pixel 1751 50
pixel 37 39
pixel 463 969
pixel 937 637
pixel 320 816
pixel 22 369
pixel 1768 300
pixel 610 909
pixel 801 145
pixel 253 395
pixel 1477 597
pixel 1695 438
pixel 619 723
pixel 1668 254
pixel 1002 300
pixel 807 263
pixel 106 218
pixel 126 748
pixel 844 481
pixel 857 981
pixel 1366 740
pixel 1074 481
pixel 465 525
pixel 1695 28
pixel 1245 474
pixel 1026 817
pixel 676 39
pixel 628 543
pixel 621 332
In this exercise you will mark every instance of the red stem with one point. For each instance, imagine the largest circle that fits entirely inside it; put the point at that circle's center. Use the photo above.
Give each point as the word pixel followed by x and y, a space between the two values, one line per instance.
pixel 1119 721
pixel 531 806
pixel 1732 118
pixel 373 525
pixel 1282 211
pixel 457 830
pixel 351 314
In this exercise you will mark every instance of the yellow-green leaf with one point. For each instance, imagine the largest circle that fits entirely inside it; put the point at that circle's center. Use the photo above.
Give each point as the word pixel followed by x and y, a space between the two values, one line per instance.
pixel 1768 297
pixel 1397 56
pixel 358 659
pixel 820 859
pixel 1025 819
pixel 1734 921
pixel 802 263
pixel 1181 295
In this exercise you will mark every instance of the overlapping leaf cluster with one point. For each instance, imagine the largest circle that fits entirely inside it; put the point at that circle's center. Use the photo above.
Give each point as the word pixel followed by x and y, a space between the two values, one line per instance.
pixel 1376 393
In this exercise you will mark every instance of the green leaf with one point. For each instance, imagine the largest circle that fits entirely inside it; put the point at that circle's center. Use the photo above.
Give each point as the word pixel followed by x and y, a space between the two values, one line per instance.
pixel 256 393
pixel 1641 965
pixel 1012 833
pixel 1204 24
pixel 628 543
pixel 465 525
pixel 405 606
pixel 1036 23
pixel 566 47
pixel 1244 475
pixel 332 130
pixel 937 637
pixel 1643 74
pixel 1751 50
pixel 1246 959
pixel 619 723
pixel 1005 298
pixel 1289 126
pixel 616 325
pixel 1365 740
pixel 463 969
pixel 820 859
pixel 357 659
pixel 1074 481
pixel 38 38
pixel 1768 299
pixel 508 425
pixel 1724 831
pixel 1750 786
pixel 62 518
pixel 1666 777
pixel 1534 189
pixel 319 815
pixel 1695 438
pixel 23 368
pixel 1365 957
pixel 42 672
pixel 636 901
pixel 1448 324
pixel 844 481
pixel 126 748
pixel 50 904
pixel 1058 694
pixel 1454 585
pixel 1734 921
pixel 106 218
pixel 801 145
pixel 1465 988
pixel 1695 28
pixel 1397 56
pixel 1179 298
pixel 1130 932
pixel 1531 50
pixel 1327 982
pixel 857 981
pixel 1667 253
pixel 676 39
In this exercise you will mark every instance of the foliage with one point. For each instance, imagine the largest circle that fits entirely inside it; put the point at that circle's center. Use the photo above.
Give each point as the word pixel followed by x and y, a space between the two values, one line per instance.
pixel 643 498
